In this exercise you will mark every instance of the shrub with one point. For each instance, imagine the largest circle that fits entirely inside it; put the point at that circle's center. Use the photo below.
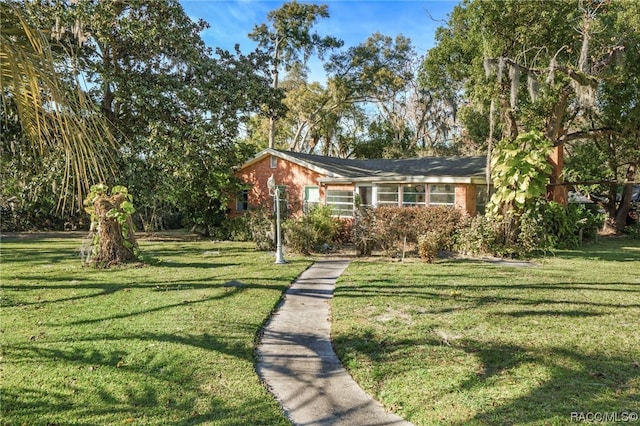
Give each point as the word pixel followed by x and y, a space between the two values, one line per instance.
pixel 364 236
pixel 428 245
pixel 313 231
pixel 543 227
pixel 480 236
pixel 299 236
pixel 261 228
pixel 235 229
pixel 387 228
pixel 562 227
pixel 446 221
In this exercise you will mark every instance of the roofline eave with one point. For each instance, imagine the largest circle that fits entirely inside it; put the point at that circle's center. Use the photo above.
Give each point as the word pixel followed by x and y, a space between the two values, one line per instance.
pixel 270 151
pixel 404 179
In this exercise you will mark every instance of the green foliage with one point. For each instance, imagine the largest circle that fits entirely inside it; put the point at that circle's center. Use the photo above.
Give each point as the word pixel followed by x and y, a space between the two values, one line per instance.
pixel 314 231
pixel 520 173
pixel 288 35
pixel 261 227
pixel 561 227
pixel 544 227
pixel 174 106
pixel 234 229
pixel 633 231
pixel 567 71
pixel 480 236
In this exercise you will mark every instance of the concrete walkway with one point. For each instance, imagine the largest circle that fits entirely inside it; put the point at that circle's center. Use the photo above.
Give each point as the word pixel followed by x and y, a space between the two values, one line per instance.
pixel 297 362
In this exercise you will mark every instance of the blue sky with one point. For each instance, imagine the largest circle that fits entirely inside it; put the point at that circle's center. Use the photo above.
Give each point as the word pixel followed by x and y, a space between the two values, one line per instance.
pixel 350 20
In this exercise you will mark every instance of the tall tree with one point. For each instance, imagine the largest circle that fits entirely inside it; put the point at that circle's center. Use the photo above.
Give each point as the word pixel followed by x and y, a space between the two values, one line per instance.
pixel 538 68
pixel 176 107
pixel 380 76
pixel 288 38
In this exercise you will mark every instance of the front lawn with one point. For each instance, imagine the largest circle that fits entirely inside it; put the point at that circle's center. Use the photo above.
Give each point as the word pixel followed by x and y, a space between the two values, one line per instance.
pixel 468 342
pixel 167 343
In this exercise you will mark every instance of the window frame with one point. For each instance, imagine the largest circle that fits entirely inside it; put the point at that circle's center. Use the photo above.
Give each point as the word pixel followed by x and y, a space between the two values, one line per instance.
pixel 242 200
pixel 381 191
pixel 307 204
pixel 440 193
pixel 347 200
pixel 413 191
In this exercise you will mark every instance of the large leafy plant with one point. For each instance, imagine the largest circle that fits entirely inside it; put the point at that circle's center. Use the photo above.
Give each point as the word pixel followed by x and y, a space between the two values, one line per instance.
pixel 520 172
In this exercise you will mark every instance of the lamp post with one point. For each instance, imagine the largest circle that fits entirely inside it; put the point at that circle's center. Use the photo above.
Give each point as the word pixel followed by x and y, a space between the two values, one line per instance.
pixel 275 191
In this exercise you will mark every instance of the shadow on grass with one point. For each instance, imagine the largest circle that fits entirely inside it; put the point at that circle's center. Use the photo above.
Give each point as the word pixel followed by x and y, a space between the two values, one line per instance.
pixel 439 292
pixel 574 382
pixel 577 382
pixel 550 313
pixel 610 249
pixel 100 290
pixel 157 381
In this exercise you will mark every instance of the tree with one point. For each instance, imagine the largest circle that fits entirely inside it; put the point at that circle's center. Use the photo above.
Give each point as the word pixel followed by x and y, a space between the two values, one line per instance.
pixel 287 37
pixel 380 77
pixel 55 117
pixel 529 67
pixel 175 106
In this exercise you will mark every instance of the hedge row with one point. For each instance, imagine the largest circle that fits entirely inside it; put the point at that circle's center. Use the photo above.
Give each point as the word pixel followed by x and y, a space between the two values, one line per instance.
pixel 393 229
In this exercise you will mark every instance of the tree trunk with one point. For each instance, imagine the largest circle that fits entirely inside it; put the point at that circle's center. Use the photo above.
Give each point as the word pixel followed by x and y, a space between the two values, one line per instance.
pixel 113 248
pixel 625 200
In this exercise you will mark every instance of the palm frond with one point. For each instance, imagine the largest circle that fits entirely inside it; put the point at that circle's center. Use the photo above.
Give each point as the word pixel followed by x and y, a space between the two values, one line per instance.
pixel 54 115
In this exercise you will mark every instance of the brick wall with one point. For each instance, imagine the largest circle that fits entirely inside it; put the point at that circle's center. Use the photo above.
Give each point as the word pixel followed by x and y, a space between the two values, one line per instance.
pixel 286 173
pixel 466 198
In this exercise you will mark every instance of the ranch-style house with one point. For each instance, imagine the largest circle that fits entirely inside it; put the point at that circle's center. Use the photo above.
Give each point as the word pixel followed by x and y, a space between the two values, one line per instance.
pixel 307 180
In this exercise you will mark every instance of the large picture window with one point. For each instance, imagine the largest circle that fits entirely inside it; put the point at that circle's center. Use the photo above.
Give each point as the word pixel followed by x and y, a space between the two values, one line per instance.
pixel 442 195
pixel 388 195
pixel 340 201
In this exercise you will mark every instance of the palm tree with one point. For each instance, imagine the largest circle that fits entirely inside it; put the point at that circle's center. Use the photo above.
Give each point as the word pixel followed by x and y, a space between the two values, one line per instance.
pixel 55 116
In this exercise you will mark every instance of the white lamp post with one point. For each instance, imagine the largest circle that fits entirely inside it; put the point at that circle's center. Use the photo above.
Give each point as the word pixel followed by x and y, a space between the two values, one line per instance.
pixel 275 191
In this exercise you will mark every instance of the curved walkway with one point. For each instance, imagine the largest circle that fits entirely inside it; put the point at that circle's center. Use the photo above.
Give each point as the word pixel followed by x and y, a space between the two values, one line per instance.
pixel 297 362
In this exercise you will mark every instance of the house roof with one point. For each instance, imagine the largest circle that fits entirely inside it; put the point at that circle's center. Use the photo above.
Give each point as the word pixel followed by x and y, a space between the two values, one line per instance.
pixel 410 169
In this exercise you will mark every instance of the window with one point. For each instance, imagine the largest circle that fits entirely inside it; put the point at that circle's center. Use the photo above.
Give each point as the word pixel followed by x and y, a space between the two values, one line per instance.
pixel 366 196
pixel 340 201
pixel 273 162
pixel 311 197
pixel 242 201
pixel 388 195
pixel 442 195
pixel 413 195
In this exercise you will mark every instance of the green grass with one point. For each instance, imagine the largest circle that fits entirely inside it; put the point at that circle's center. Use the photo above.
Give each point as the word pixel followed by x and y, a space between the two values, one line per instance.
pixel 170 343
pixel 468 342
